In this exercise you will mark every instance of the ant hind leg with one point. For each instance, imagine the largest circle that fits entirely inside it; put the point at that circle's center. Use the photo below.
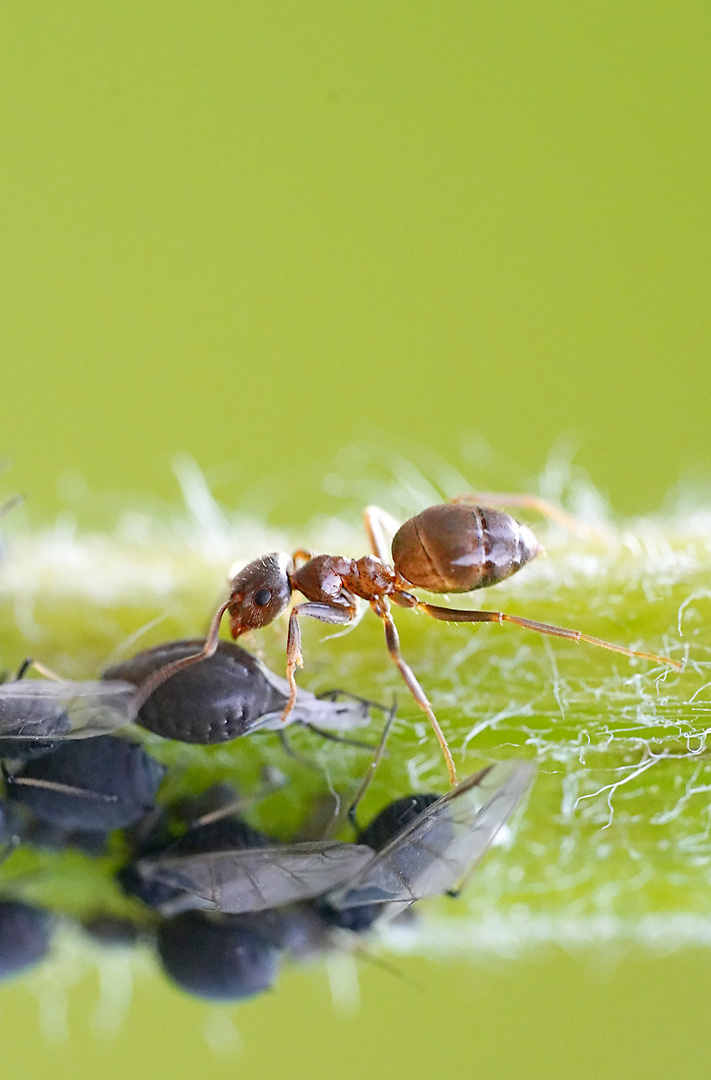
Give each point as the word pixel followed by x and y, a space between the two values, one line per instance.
pixel 445 614
pixel 536 503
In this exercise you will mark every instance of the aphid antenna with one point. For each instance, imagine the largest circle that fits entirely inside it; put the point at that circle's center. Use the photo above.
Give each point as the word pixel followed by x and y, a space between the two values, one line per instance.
pixel 40 668
pixel 345 939
pixel 132 639
pixel 370 773
pixel 61 789
pixel 238 804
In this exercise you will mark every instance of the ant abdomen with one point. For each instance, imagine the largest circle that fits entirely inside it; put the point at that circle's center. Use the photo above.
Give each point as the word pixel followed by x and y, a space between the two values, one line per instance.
pixel 457 548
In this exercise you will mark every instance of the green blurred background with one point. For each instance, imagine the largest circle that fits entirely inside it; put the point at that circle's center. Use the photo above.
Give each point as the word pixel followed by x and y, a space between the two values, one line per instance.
pixel 262 233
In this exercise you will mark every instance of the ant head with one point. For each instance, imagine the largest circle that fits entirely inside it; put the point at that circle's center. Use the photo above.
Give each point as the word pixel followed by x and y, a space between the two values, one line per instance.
pixel 259 593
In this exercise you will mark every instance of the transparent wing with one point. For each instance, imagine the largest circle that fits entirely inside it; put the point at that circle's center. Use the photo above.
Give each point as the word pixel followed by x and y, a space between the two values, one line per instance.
pixel 255 879
pixel 43 709
pixel 443 844
pixel 330 713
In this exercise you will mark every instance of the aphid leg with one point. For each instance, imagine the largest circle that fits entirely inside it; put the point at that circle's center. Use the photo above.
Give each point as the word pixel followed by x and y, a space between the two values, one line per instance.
pixel 371 769
pixel 288 749
pixel 39 667
pixel 382 609
pixel 8 847
pixel 10 504
pixel 340 616
pixel 23 668
pixel 330 736
pixel 536 503
pixel 157 678
pixel 445 614
pixel 336 693
pixel 376 521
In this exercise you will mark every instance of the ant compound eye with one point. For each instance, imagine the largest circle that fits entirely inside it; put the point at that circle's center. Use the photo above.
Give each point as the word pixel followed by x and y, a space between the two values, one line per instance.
pixel 260 592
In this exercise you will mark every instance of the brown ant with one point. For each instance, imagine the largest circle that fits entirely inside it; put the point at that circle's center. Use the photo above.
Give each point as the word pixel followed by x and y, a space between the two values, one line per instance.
pixel 455 547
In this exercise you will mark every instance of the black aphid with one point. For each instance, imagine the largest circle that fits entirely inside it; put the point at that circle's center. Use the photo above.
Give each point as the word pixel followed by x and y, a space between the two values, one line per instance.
pixel 222 959
pixel 230 694
pixel 92 785
pixel 417 847
pixel 440 846
pixel 25 936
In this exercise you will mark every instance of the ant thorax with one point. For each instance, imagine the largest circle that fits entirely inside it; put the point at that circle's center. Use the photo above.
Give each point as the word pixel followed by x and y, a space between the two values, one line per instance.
pixel 337 580
pixel 370 578
pixel 324 579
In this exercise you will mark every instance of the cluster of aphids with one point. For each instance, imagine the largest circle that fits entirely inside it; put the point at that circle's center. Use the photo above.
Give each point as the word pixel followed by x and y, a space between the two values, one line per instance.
pixel 222 902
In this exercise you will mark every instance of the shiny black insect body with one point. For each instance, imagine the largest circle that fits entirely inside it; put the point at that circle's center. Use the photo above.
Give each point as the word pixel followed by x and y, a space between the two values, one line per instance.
pixel 221 959
pixel 418 847
pixel 91 785
pixel 25 936
pixel 230 694
pixel 433 850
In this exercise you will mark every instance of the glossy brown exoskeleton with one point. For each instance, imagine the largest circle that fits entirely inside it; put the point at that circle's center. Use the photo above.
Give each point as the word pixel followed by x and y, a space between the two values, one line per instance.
pixel 455 547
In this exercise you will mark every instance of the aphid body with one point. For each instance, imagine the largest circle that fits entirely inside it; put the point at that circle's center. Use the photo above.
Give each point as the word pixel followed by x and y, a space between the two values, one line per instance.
pixel 91 785
pixel 231 694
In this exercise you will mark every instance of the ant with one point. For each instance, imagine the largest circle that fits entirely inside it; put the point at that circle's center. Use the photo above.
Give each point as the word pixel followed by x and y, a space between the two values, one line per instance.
pixel 450 548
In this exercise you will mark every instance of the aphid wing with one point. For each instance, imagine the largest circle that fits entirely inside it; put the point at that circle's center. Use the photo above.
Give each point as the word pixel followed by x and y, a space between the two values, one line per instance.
pixel 101 707
pixel 443 844
pixel 256 879
pixel 41 709
pixel 475 819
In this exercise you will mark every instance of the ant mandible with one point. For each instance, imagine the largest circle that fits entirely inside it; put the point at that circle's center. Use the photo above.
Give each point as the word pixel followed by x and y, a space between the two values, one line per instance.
pixel 455 547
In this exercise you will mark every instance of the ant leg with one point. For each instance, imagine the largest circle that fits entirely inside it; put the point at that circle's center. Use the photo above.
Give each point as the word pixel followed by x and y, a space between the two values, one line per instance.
pixel 339 616
pixel 392 640
pixel 376 521
pixel 302 554
pixel 157 678
pixel 532 502
pixel 446 614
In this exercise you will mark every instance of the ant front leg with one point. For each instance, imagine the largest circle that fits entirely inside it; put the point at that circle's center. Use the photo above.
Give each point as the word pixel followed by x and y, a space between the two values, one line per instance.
pixel 381 608
pixel 338 616
pixel 445 614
